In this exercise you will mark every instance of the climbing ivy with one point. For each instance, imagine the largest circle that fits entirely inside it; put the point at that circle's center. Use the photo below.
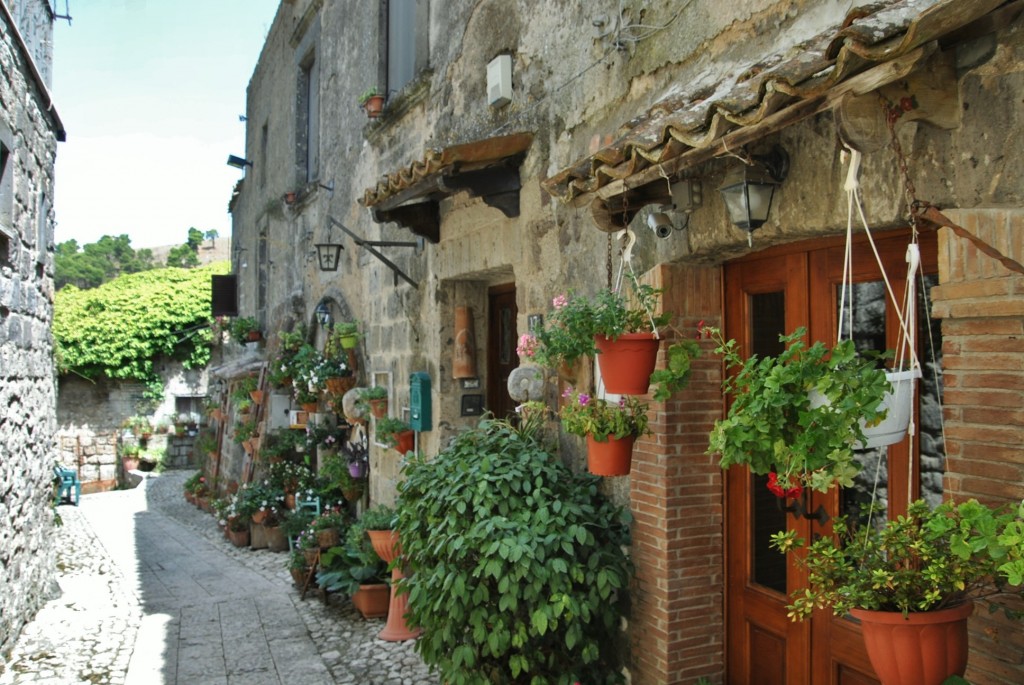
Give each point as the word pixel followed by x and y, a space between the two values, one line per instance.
pixel 121 328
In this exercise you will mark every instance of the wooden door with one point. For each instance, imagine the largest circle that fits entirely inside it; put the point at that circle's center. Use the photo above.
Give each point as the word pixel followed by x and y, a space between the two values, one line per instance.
pixel 767 295
pixel 501 348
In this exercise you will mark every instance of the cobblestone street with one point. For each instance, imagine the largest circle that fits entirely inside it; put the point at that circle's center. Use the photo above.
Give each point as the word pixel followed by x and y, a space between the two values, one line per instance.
pixel 151 592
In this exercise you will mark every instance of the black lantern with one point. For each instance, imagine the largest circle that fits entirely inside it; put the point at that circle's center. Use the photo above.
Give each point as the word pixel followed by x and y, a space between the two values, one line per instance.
pixel 748 190
pixel 323 315
pixel 329 255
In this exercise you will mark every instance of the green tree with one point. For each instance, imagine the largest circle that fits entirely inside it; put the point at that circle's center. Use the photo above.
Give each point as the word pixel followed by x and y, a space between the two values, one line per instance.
pixel 96 263
pixel 212 236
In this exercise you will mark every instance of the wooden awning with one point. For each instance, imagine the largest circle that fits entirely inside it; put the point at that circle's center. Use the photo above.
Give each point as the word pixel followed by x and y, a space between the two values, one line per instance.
pixel 487 168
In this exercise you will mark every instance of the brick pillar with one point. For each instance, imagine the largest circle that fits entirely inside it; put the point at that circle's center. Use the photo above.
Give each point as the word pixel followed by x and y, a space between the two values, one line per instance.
pixel 981 304
pixel 677 628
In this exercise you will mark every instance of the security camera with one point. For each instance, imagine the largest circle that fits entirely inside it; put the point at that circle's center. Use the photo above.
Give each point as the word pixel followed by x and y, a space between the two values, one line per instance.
pixel 660 223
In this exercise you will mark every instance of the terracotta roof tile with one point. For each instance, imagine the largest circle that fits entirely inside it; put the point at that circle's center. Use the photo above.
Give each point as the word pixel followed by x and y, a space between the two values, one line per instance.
pixel 716 103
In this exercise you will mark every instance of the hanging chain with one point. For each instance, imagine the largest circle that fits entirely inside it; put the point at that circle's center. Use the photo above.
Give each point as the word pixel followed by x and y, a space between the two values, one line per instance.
pixel 609 261
pixel 892 114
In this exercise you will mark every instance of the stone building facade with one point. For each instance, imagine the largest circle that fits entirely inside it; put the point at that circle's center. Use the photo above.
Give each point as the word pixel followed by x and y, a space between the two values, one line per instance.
pixel 29 132
pixel 618 111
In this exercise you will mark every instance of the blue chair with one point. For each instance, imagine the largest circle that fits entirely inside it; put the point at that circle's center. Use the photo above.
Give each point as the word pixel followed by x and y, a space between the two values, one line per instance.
pixel 312 505
pixel 68 485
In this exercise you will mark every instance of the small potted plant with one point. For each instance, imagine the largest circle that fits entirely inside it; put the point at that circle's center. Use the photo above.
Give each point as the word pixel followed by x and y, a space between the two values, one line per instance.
pixel 245 329
pixel 922 570
pixel 344 336
pixel 376 399
pixel 610 428
pixel 798 415
pixel 357 570
pixel 372 100
pixel 328 527
pixel 130 456
pixel 395 433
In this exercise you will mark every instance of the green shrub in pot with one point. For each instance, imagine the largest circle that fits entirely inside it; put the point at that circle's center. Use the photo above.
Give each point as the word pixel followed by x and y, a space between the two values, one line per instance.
pixel 525 559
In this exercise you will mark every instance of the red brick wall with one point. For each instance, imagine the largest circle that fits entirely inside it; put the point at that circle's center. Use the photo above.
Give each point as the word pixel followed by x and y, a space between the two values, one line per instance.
pixel 677 627
pixel 981 304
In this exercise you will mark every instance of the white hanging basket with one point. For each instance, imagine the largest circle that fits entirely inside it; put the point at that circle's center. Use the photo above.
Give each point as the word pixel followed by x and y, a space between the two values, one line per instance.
pixel 899 405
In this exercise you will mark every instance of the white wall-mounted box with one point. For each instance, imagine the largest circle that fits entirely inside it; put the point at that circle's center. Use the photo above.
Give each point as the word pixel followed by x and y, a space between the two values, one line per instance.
pixel 499 81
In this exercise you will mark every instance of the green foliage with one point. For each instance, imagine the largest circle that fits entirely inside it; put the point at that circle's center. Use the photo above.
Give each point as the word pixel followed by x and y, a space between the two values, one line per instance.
pixel 519 564
pixel 380 517
pixel 242 326
pixel 388 429
pixel 96 263
pixel 569 331
pixel 354 563
pixel 186 256
pixel 774 424
pixel 924 561
pixel 585 415
pixel 676 374
pixel 374 393
pixel 368 93
pixel 121 328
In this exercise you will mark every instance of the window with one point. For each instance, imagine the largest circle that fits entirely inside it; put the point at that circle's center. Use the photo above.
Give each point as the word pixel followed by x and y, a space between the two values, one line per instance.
pixel 264 141
pixel 42 229
pixel 262 274
pixel 308 125
pixel 408 24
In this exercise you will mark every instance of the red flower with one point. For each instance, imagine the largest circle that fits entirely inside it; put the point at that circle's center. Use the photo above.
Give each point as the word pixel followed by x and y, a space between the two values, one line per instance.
pixel 776 489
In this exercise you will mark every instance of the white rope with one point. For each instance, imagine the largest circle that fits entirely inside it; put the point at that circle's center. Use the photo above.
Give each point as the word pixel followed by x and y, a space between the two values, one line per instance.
pixel 627 260
pixel 905 310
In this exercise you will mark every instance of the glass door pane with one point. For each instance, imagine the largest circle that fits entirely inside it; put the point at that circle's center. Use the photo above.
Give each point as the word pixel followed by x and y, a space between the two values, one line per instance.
pixel 767 323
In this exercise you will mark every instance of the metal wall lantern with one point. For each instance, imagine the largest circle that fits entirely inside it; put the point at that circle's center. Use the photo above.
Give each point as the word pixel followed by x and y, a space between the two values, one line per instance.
pixel 323 315
pixel 329 255
pixel 748 190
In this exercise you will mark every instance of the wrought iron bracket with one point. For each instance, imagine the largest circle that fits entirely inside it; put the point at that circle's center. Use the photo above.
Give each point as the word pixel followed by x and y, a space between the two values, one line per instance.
pixel 372 245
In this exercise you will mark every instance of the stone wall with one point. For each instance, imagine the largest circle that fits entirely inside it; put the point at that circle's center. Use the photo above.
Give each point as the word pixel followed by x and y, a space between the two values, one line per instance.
pixel 27 384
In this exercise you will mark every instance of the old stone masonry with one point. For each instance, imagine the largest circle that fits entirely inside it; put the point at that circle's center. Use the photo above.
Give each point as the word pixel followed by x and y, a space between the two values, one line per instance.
pixel 151 593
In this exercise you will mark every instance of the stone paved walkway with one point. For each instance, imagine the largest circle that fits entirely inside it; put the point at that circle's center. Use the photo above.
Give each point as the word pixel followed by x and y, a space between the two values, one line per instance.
pixel 151 593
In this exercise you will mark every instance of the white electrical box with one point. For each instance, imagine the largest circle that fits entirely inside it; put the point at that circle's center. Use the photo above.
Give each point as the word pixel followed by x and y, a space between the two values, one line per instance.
pixel 499 81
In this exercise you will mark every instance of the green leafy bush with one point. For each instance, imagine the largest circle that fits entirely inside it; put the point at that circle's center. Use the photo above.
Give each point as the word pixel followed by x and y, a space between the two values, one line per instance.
pixel 354 563
pixel 120 329
pixel 519 566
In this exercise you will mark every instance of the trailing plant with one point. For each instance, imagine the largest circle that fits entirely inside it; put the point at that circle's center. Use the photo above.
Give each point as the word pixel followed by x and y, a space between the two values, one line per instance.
pixel 798 414
pixel 585 415
pixel 333 346
pixel 676 374
pixel 242 387
pixel 368 93
pixel 120 329
pixel 519 565
pixel 924 561
pixel 375 392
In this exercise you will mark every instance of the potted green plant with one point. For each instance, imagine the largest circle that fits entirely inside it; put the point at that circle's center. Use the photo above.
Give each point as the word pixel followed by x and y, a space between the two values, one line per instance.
pixel 372 100
pixel 376 400
pixel 623 332
pixel 609 427
pixel 298 567
pixel 798 415
pixel 281 371
pixel 922 569
pixel 245 329
pixel 357 570
pixel 543 571
pixel 344 336
pixel 130 456
pixel 329 526
pixel 395 433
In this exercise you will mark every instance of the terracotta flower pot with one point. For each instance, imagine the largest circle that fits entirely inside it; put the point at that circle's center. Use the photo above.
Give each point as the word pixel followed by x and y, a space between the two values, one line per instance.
pixel 257 536
pixel 372 600
pixel 277 541
pixel 259 516
pixel 388 548
pixel 299 576
pixel 310 407
pixel 612 457
pixel 238 538
pixel 374 105
pixel 379 408
pixel 924 648
pixel 628 362
pixel 406 441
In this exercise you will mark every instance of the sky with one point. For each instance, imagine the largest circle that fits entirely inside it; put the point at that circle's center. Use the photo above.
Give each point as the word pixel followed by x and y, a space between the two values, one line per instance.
pixel 150 93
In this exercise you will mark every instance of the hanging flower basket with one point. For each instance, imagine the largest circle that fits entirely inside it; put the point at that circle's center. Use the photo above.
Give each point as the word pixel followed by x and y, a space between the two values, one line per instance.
pixel 899 405
pixel 339 385
pixel 627 362
pixel 613 457
pixel 925 648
